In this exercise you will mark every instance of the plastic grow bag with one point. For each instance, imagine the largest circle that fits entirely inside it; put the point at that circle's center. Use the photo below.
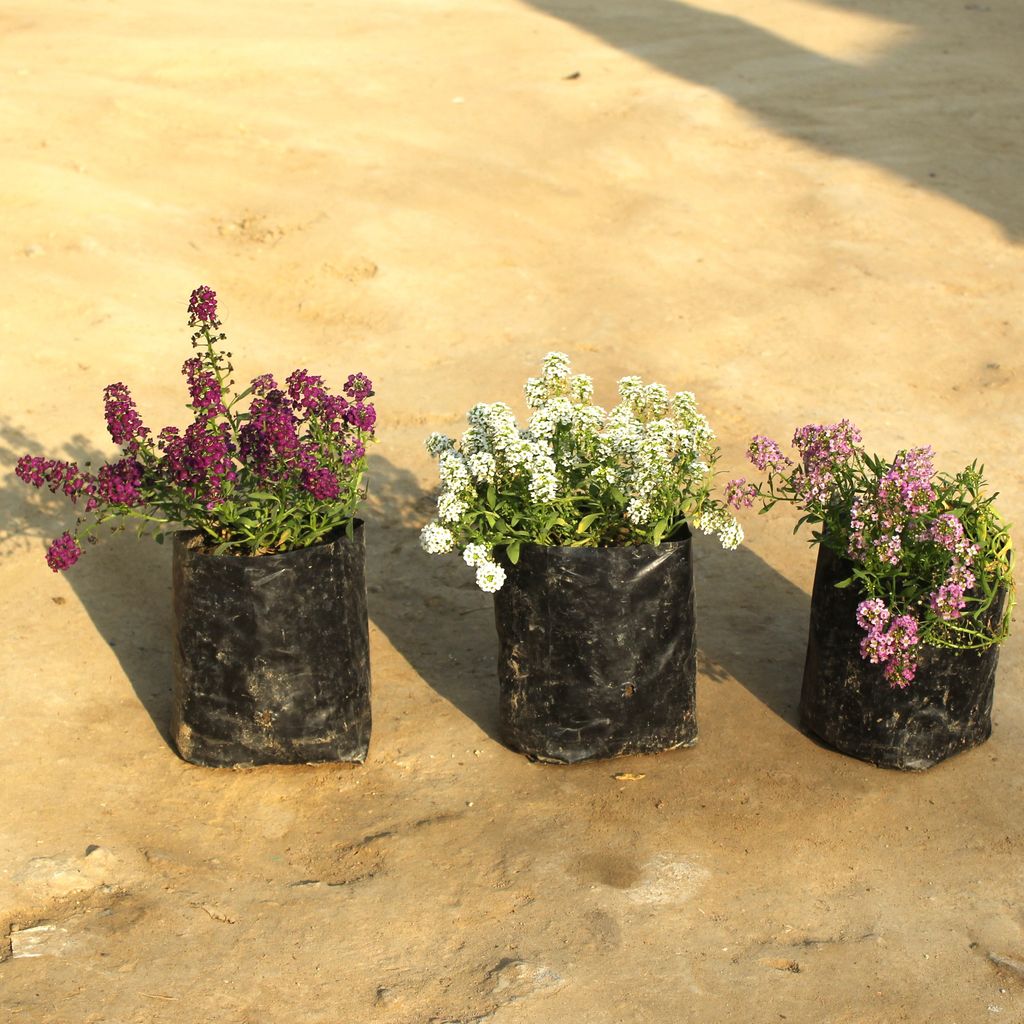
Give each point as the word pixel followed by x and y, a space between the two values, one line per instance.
pixel 271 654
pixel 847 702
pixel 597 652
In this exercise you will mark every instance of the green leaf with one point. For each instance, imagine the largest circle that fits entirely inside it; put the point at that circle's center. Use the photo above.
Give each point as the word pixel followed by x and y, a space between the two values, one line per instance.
pixel 659 532
pixel 513 552
pixel 586 522
pixel 492 495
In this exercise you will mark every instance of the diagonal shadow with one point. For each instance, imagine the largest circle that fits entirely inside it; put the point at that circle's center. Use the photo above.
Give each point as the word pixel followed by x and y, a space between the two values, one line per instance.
pixel 941 108
pixel 751 625
pixel 429 607
pixel 124 586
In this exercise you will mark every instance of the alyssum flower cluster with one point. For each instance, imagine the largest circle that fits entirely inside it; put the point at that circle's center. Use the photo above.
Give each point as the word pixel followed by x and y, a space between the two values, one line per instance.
pixel 577 475
pixel 282 473
pixel 928 550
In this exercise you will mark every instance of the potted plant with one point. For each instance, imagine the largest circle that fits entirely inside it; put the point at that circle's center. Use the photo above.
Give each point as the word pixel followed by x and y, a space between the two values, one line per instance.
pixel 271 649
pixel 913 594
pixel 579 525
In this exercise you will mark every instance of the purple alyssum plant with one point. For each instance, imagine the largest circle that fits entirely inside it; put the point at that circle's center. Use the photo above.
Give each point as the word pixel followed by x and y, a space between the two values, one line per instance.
pixel 281 474
pixel 928 550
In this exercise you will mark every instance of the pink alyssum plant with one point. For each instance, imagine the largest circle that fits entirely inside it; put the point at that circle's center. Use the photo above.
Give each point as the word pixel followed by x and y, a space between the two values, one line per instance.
pixel 929 551
pixel 281 474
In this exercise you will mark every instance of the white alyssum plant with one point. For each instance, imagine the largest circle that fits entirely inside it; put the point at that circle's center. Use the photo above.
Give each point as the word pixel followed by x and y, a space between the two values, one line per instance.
pixel 577 474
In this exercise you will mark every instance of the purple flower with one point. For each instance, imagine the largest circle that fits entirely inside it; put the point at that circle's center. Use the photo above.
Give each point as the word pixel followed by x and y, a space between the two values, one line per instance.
pixel 740 494
pixel 321 483
pixel 63 553
pixel 306 391
pixel 890 642
pixel 263 384
pixel 207 395
pixel 826 445
pixel 332 412
pixel 764 453
pixel 949 600
pixel 270 438
pixel 199 461
pixel 118 483
pixel 32 469
pixel 822 449
pixel 296 440
pixel 356 451
pixel 907 487
pixel 948 532
pixel 123 421
pixel 57 475
pixel 358 386
pixel 872 613
pixel 202 307
pixel 361 416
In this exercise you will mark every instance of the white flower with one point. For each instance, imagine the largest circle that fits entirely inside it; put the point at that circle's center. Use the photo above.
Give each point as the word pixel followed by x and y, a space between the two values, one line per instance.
pixel 622 435
pixel 556 365
pixel 473 441
pixel 482 466
pixel 543 480
pixel 684 405
pixel 438 443
pixel 516 454
pixel 489 577
pixel 639 511
pixel 497 424
pixel 454 472
pixel 581 387
pixel 436 539
pixel 717 520
pixel 731 535
pixel 552 414
pixel 655 399
pixel 536 391
pixel 587 424
pixel 450 507
pixel 475 555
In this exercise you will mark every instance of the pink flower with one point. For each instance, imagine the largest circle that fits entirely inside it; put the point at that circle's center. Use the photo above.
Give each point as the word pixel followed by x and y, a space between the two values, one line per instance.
pixel 740 494
pixel 764 453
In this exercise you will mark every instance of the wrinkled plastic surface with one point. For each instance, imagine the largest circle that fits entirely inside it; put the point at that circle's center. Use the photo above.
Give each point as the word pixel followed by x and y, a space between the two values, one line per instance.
pixel 847 702
pixel 597 653
pixel 271 655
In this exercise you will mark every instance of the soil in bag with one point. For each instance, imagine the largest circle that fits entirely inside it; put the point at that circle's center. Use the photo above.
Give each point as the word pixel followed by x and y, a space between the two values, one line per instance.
pixel 847 702
pixel 597 651
pixel 271 654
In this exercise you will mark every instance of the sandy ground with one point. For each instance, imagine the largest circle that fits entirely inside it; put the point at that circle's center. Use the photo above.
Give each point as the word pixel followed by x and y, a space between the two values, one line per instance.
pixel 799 210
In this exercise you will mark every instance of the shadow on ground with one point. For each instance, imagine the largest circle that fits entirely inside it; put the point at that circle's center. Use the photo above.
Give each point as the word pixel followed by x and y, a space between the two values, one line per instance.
pixel 429 607
pixel 124 585
pixel 751 621
pixel 935 105
pixel 751 624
